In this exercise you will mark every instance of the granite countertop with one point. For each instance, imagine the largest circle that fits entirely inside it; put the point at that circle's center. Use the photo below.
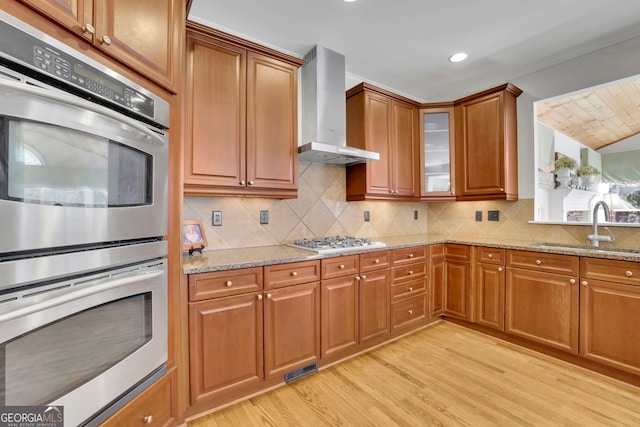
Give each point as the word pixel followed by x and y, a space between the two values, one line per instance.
pixel 229 259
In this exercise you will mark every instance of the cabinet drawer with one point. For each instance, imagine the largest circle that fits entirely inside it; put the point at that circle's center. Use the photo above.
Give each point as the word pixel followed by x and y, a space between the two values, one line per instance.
pixel 340 266
pixel 610 270
pixel 407 311
pixel 152 407
pixel 224 283
pixel 375 261
pixel 408 255
pixel 293 273
pixel 490 255
pixel 409 272
pixel 454 251
pixel 436 251
pixel 539 261
pixel 408 289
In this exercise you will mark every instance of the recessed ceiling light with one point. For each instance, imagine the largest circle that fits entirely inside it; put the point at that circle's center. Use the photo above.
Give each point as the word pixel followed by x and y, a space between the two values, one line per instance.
pixel 457 57
pixel 349 1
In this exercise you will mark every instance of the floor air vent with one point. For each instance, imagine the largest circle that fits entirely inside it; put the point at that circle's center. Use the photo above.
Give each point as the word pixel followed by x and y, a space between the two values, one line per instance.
pixel 300 372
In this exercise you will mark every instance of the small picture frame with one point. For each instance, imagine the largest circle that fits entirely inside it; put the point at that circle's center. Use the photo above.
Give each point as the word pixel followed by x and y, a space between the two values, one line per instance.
pixel 193 236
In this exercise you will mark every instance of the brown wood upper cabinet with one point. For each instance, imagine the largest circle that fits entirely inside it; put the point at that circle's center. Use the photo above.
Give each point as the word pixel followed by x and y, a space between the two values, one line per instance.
pixel 380 121
pixel 486 150
pixel 115 28
pixel 437 156
pixel 242 115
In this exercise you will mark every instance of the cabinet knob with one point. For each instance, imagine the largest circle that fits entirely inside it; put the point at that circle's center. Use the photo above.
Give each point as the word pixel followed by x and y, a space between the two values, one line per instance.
pixel 88 29
pixel 499 268
pixel 584 283
pixel 501 189
pixel 376 261
pixel 229 283
pixel 538 262
pixel 268 296
pixel 250 182
pixel 410 255
pixel 410 272
pixel 106 40
pixel 490 256
pixel 341 266
pixel 294 273
pixel 259 297
pixel 242 182
pixel 628 273
pixel 572 281
pixel 148 419
pixel 410 289
pixel 410 311
pixel 364 276
pixel 358 278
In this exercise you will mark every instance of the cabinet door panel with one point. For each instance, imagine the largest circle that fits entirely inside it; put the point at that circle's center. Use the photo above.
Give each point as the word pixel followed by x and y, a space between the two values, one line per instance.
pixel 542 307
pixel 215 148
pixel 456 289
pixel 404 151
pixel 141 34
pixel 490 295
pixel 72 14
pixel 609 319
pixel 272 112
pixel 375 301
pixel 291 329
pixel 378 134
pixel 339 317
pixel 436 286
pixel 225 343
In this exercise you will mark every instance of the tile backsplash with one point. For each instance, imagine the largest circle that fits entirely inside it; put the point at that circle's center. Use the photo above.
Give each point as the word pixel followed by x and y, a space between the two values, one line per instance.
pixel 321 210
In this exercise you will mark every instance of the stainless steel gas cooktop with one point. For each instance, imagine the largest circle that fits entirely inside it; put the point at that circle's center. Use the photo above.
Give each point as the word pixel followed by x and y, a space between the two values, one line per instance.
pixel 337 244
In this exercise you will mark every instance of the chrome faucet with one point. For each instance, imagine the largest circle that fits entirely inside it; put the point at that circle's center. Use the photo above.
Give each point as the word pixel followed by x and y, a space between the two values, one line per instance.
pixel 594 237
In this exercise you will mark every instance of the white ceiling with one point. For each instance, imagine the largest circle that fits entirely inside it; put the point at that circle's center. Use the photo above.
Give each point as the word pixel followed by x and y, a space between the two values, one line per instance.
pixel 404 45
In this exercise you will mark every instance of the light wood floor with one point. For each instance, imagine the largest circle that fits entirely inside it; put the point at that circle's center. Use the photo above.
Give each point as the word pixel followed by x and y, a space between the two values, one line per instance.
pixel 444 375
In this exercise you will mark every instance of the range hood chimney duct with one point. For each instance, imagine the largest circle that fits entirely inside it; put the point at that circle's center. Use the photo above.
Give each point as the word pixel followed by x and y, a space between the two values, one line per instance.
pixel 324 111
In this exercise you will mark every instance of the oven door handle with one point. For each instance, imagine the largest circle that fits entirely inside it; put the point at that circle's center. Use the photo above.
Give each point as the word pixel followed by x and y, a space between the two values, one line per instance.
pixel 81 291
pixel 80 103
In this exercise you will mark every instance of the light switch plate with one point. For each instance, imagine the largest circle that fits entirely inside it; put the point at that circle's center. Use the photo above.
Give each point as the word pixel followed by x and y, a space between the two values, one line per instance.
pixel 264 217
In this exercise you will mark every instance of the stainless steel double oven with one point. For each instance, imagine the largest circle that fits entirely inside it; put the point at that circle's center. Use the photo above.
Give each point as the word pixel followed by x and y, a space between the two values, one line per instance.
pixel 83 214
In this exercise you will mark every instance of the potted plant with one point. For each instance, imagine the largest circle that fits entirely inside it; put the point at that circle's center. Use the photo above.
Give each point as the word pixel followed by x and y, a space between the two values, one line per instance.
pixel 588 170
pixel 563 166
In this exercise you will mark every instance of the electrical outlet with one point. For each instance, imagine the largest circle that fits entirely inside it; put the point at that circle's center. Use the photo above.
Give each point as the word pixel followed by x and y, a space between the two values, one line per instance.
pixel 478 215
pixel 493 215
pixel 264 217
pixel 415 214
pixel 367 216
pixel 217 218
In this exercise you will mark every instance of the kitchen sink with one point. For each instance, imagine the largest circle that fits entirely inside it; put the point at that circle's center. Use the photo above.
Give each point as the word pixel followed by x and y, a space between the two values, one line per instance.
pixel 591 249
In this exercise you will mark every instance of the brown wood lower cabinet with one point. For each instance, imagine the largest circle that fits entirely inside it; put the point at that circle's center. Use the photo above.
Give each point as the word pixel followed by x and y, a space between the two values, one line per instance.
pixel 489 287
pixel 543 306
pixel 375 292
pixel 291 329
pixel 436 280
pixel 610 313
pixel 457 282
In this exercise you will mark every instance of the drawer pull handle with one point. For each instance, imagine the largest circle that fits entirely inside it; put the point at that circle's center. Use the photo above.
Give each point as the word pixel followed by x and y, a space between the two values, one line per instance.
pixel 294 273
pixel 259 297
pixel 410 311
pixel 490 256
pixel 229 283
pixel 538 262
pixel 148 419
pixel 584 283
pixel 410 272
pixel 410 289
pixel 410 255
pixel 572 281
pixel 376 261
pixel 341 266
pixel 499 268
pixel 628 273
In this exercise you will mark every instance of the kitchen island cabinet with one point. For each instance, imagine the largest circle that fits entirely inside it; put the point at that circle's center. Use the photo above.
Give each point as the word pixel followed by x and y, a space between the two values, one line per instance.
pixel 610 313
pixel 113 27
pixel 380 121
pixel 242 116
pixel 542 298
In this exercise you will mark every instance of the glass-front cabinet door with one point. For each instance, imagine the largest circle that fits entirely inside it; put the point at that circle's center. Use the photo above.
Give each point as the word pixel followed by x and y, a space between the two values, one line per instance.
pixel 436 128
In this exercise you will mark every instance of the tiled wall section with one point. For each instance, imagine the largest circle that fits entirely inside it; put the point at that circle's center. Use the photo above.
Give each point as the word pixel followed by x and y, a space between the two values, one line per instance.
pixel 321 210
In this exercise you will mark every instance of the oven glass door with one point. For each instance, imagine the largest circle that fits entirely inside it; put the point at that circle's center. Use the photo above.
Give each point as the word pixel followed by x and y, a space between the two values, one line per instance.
pixel 48 164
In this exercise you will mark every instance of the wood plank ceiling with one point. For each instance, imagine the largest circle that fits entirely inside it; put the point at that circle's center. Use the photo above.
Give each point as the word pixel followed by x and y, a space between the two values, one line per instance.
pixel 597 118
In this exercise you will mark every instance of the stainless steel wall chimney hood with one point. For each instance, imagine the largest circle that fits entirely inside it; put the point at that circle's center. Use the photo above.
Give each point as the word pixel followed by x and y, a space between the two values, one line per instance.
pixel 324 111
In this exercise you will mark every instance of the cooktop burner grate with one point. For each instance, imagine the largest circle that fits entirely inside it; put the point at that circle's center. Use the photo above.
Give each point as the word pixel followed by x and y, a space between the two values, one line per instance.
pixel 336 244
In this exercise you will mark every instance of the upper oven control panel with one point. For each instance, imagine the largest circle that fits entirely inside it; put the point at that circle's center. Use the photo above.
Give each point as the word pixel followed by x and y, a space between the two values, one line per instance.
pixel 24 47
